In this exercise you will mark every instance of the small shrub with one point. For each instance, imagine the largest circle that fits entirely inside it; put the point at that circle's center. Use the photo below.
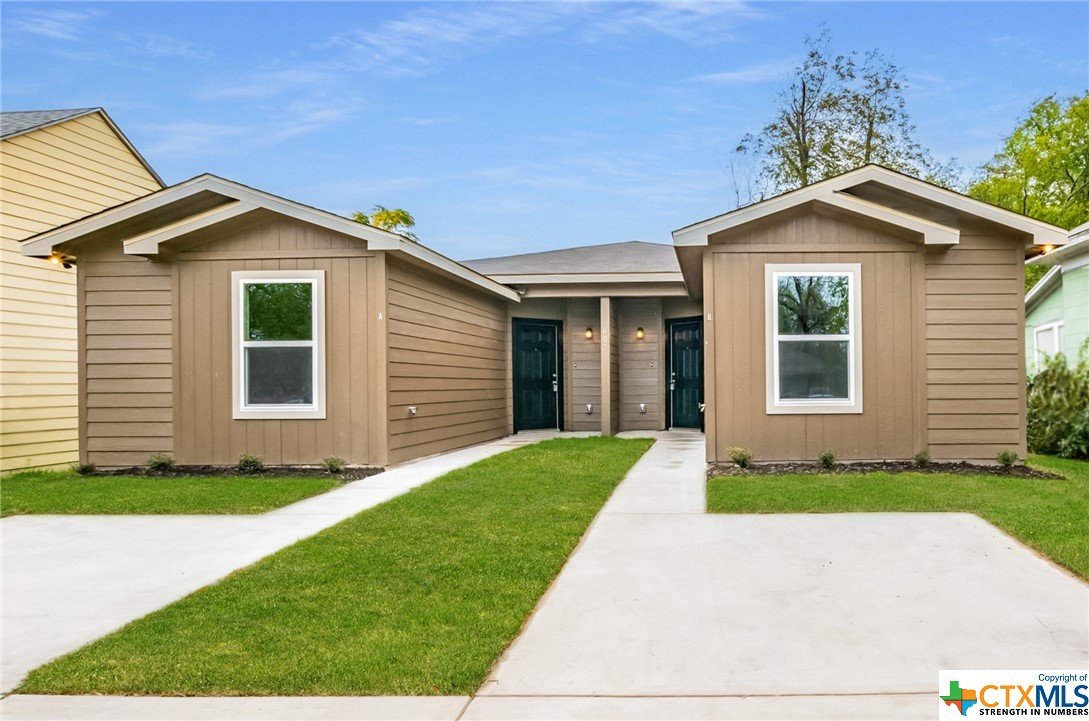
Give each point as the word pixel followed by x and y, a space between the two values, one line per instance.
pixel 741 456
pixel 250 464
pixel 1007 458
pixel 160 462
pixel 83 469
pixel 332 464
pixel 1057 398
pixel 922 459
pixel 827 459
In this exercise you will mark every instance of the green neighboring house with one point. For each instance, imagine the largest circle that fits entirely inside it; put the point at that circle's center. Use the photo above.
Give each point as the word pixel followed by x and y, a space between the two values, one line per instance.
pixel 1057 307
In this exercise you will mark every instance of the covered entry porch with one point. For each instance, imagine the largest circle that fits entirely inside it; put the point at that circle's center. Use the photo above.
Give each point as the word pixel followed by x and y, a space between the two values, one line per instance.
pixel 605 339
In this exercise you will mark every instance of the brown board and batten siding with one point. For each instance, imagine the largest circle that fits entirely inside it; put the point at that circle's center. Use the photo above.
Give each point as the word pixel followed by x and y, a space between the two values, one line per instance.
pixel 448 357
pixel 891 294
pixel 205 430
pixel 641 364
pixel 125 338
pixel 975 362
pixel 583 369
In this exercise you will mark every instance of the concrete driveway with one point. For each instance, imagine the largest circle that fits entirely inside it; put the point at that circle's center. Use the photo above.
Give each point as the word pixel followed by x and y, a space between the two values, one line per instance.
pixel 667 612
pixel 68 580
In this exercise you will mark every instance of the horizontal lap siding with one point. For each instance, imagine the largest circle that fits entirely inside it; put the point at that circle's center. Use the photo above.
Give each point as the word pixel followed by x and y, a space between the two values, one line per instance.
pixel 891 280
pixel 50 177
pixel 126 357
pixel 207 432
pixel 975 362
pixel 447 356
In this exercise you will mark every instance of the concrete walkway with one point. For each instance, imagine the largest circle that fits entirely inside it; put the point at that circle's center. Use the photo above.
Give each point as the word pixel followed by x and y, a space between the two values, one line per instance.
pixel 665 612
pixel 68 580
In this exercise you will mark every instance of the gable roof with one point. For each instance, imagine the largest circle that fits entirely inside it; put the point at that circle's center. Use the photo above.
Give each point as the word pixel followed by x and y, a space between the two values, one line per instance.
pixel 143 225
pixel 19 122
pixel 875 193
pixel 836 192
pixel 634 256
pixel 634 268
pixel 16 122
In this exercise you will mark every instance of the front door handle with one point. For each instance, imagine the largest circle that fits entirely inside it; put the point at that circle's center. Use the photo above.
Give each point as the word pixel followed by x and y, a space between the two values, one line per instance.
pixel 555 384
pixel 672 381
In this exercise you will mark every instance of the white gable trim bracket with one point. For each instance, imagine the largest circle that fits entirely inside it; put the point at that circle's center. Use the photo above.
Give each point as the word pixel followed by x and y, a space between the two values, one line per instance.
pixel 931 233
pixel 239 200
pixel 1042 233
pixel 147 244
pixel 833 192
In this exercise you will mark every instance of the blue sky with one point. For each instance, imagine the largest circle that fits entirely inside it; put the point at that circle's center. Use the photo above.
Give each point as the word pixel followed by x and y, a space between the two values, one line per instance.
pixel 509 128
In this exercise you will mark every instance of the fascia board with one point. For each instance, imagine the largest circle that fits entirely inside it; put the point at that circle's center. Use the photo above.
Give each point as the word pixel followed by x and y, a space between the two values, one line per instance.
pixel 1043 288
pixel 573 278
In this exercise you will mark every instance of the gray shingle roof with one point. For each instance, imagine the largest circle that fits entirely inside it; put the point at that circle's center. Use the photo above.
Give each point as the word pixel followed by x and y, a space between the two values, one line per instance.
pixel 20 121
pixel 631 257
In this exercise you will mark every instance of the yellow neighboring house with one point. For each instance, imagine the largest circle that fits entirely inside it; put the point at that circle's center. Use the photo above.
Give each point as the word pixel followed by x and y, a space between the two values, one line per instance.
pixel 56 166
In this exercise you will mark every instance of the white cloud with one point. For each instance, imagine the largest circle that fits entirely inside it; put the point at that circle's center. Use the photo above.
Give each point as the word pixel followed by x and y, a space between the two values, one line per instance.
pixel 759 73
pixel 55 24
pixel 166 46
pixel 427 122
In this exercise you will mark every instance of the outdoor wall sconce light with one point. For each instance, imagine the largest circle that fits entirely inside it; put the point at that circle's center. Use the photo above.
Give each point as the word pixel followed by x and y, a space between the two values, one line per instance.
pixel 60 259
pixel 639 334
pixel 589 334
pixel 642 407
pixel 589 408
pixel 413 409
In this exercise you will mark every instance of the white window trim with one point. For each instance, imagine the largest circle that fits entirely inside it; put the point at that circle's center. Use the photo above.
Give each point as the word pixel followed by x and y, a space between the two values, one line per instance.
pixel 853 403
pixel 1057 326
pixel 316 410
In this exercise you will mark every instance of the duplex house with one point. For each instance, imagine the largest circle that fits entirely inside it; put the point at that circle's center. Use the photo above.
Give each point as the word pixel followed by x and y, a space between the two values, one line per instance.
pixel 872 314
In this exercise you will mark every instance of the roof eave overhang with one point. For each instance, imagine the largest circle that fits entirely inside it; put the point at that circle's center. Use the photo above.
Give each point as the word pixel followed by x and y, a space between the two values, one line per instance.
pixel 239 200
pixel 1075 248
pixel 835 190
pixel 585 278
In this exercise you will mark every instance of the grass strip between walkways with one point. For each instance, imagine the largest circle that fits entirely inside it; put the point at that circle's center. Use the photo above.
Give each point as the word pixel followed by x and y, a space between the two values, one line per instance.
pixel 417 596
pixel 66 492
pixel 1049 515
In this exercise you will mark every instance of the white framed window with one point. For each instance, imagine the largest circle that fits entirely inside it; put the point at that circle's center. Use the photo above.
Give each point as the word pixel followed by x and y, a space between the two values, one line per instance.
pixel 278 343
pixel 1047 340
pixel 814 337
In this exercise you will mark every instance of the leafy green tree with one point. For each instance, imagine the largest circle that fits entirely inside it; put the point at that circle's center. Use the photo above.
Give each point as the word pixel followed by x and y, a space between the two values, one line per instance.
pixel 839 112
pixel 395 220
pixel 799 147
pixel 1042 169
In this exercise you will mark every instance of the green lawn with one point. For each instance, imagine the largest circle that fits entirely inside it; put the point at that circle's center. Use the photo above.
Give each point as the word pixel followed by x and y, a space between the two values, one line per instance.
pixel 417 596
pixel 70 493
pixel 1049 515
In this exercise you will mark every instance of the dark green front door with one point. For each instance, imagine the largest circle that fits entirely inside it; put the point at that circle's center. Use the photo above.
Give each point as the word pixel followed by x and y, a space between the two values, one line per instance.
pixel 537 374
pixel 685 338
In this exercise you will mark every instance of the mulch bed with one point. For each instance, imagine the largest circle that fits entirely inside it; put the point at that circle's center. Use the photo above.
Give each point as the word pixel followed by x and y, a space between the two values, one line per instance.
pixel 812 469
pixel 348 474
